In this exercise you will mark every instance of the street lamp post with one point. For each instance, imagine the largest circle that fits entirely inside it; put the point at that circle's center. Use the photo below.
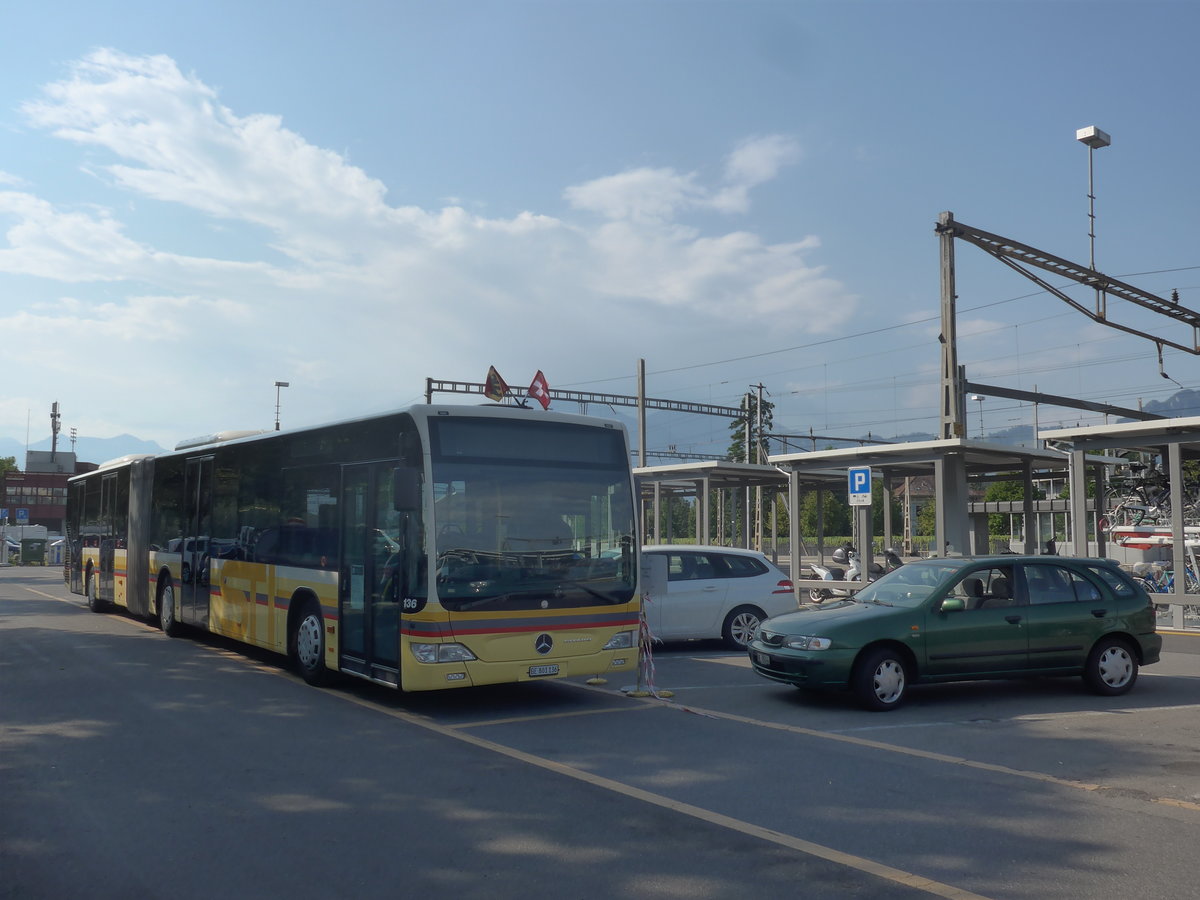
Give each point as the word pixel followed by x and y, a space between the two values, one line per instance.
pixel 980 399
pixel 1094 139
pixel 278 385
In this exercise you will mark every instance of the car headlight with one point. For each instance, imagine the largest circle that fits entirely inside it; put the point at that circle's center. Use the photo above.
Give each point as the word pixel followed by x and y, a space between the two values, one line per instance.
pixel 441 653
pixel 808 642
pixel 622 640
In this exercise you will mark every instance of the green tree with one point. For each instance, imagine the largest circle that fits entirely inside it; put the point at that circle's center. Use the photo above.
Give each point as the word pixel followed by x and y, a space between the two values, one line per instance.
pixel 1006 490
pixel 760 430
pixel 927 519
pixel 877 498
pixel 760 425
pixel 677 519
pixel 836 515
pixel 8 464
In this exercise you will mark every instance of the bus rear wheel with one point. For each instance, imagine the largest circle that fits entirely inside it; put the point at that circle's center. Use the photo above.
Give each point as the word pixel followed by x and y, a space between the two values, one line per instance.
pixel 95 604
pixel 308 644
pixel 166 611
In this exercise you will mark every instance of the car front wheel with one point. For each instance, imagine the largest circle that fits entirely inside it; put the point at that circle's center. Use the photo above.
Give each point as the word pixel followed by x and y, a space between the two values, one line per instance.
pixel 740 626
pixel 1112 668
pixel 880 680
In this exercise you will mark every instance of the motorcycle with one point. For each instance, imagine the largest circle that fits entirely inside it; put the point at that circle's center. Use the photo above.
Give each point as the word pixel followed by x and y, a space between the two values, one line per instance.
pixel 846 556
pixel 891 559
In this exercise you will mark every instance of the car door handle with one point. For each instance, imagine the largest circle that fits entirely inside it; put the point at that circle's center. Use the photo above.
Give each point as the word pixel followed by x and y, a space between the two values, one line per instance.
pixel 1099 613
pixel 1013 620
pixel 710 589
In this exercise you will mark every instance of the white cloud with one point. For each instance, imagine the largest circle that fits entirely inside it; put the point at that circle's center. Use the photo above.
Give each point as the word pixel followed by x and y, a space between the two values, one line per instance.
pixel 641 195
pixel 347 291
pixel 754 162
pixel 657 195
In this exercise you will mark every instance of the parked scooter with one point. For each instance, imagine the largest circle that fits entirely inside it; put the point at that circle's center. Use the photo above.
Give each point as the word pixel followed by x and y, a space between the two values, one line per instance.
pixel 891 559
pixel 844 555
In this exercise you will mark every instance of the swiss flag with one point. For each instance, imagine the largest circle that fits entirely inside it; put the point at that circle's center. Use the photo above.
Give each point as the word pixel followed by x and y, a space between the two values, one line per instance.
pixel 540 390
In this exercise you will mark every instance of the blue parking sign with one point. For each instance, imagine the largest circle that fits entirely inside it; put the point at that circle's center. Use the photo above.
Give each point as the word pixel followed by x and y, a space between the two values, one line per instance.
pixel 22 516
pixel 859 482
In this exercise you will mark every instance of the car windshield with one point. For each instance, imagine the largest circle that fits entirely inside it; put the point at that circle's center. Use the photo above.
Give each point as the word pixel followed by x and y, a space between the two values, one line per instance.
pixel 910 585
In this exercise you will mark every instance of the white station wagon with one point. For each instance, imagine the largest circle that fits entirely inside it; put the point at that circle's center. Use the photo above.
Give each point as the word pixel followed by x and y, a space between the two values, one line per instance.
pixel 716 592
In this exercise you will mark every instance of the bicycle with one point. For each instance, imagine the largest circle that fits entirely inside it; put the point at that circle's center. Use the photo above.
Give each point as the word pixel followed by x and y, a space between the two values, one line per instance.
pixel 1162 581
pixel 1139 500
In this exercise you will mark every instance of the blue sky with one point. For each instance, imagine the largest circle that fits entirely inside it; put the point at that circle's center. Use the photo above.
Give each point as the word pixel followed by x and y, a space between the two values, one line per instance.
pixel 200 199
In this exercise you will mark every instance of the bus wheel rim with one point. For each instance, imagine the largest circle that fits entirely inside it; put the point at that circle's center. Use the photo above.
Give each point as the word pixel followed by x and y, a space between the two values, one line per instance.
pixel 308 642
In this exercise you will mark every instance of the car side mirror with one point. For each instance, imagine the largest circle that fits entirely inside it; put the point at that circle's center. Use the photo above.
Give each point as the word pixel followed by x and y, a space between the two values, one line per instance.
pixel 954 604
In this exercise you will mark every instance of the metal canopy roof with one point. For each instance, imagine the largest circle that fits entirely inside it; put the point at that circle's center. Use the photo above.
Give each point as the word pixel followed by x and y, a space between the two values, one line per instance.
pixel 1152 435
pixel 825 468
pixel 718 474
pixel 919 457
pixel 1175 439
pixel 950 461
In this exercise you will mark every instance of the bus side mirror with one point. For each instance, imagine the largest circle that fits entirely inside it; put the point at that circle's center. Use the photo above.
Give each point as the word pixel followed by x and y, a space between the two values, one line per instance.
pixel 406 489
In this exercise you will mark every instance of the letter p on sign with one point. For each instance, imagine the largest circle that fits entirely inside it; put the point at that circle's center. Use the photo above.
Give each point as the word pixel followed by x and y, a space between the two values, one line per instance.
pixel 860 485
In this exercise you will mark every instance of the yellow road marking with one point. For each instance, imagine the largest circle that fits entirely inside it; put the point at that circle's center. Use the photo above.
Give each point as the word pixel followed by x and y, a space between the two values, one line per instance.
pixel 870 867
pixel 930 755
pixel 51 596
pixel 740 662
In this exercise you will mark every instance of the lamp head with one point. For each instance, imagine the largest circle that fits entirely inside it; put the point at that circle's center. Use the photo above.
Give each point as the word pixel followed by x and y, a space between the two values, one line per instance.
pixel 1093 137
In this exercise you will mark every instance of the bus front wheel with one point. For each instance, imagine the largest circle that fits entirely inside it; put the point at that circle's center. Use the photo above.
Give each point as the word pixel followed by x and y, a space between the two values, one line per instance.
pixel 308 644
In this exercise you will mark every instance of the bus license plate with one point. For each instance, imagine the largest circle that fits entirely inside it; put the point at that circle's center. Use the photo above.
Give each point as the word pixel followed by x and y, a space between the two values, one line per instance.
pixel 535 671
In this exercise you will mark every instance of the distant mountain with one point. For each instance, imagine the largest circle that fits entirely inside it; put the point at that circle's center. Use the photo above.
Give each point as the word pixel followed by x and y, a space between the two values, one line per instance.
pixel 1179 405
pixel 87 449
pixel 913 437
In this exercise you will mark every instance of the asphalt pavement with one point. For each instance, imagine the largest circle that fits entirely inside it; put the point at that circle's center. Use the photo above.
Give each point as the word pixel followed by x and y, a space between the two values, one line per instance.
pixel 134 765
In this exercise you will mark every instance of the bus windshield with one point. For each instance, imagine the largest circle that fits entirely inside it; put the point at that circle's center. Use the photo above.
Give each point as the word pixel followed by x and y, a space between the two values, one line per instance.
pixel 511 532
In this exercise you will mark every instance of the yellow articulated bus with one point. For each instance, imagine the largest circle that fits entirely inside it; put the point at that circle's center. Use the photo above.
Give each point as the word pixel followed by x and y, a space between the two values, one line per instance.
pixel 433 547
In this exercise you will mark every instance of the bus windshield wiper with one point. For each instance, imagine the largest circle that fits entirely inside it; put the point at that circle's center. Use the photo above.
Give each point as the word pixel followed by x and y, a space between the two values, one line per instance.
pixel 497 598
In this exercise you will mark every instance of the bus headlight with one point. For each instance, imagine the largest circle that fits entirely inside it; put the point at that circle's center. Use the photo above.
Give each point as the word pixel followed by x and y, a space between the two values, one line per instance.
pixel 441 653
pixel 622 640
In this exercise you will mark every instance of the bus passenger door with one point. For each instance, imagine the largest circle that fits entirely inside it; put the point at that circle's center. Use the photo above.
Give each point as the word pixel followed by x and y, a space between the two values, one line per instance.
pixel 74 541
pixel 108 537
pixel 368 601
pixel 198 490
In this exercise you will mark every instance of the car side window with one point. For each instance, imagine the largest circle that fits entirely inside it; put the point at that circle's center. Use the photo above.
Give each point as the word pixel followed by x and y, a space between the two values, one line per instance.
pixel 986 588
pixel 1085 591
pixel 737 566
pixel 1058 584
pixel 675 567
pixel 689 567
pixel 1117 581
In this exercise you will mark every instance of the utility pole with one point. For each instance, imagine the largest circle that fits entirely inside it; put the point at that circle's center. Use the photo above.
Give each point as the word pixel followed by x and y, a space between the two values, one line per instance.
pixel 55 419
pixel 952 400
pixel 760 445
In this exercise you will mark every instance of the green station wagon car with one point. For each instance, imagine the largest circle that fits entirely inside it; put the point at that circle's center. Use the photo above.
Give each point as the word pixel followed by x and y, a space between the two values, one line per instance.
pixel 956 619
